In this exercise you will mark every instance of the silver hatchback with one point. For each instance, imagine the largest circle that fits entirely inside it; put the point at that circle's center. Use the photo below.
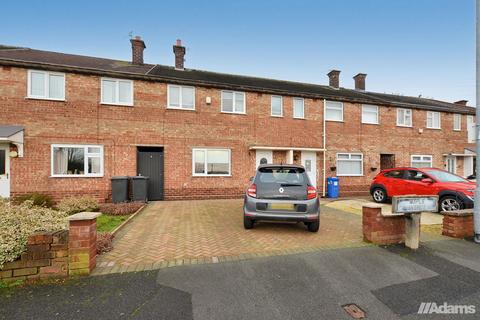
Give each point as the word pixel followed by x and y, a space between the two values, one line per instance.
pixel 281 193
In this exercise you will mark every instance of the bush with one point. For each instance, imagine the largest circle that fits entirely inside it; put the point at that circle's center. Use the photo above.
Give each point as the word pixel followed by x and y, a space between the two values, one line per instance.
pixel 76 205
pixel 19 221
pixel 120 209
pixel 104 242
pixel 38 199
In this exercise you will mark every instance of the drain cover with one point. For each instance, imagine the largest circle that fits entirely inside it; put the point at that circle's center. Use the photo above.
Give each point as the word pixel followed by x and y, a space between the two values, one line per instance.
pixel 354 311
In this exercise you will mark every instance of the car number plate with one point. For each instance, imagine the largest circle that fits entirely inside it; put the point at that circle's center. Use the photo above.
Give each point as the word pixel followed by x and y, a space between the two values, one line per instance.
pixel 281 206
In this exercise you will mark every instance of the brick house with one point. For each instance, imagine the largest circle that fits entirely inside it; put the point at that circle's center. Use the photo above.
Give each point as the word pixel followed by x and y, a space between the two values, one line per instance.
pixel 69 123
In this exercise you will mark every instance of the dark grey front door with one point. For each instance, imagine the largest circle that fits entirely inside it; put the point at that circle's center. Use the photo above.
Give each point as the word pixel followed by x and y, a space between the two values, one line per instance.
pixel 150 164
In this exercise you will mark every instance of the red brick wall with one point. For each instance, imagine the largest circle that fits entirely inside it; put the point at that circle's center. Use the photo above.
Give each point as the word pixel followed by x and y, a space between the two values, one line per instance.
pixel 81 119
pixel 458 226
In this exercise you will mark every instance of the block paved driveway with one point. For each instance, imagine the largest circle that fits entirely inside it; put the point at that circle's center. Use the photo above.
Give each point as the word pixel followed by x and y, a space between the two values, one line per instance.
pixel 171 233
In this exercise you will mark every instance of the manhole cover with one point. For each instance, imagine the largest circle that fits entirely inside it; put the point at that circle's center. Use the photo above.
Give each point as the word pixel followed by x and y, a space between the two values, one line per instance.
pixel 354 311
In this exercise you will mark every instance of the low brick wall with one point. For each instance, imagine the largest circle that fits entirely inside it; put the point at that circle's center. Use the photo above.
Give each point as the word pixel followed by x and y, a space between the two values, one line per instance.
pixel 379 229
pixel 458 224
pixel 46 257
pixel 57 254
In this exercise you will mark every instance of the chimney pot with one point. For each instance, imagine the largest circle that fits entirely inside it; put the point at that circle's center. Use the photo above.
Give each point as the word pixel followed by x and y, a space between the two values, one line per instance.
pixel 179 52
pixel 137 50
pixel 360 81
pixel 461 102
pixel 334 78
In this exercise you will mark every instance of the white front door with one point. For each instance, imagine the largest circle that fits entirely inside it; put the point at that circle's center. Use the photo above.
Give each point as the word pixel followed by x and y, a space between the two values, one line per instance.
pixel 452 164
pixel 263 157
pixel 309 161
pixel 471 129
pixel 4 171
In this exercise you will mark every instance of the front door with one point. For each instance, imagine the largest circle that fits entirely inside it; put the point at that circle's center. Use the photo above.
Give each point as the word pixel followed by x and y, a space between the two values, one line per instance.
pixel 4 171
pixel 387 161
pixel 150 164
pixel 263 157
pixel 452 164
pixel 309 161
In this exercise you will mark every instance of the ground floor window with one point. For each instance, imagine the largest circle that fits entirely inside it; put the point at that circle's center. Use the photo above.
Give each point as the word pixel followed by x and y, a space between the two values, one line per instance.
pixel 77 160
pixel 349 164
pixel 211 162
pixel 421 161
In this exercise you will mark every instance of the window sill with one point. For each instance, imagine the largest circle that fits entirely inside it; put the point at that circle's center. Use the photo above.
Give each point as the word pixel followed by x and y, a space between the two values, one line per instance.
pixel 237 113
pixel 327 120
pixel 298 118
pixel 75 176
pixel 274 116
pixel 350 175
pixel 179 108
pixel 402 126
pixel 46 99
pixel 211 176
pixel 376 124
pixel 116 104
pixel 433 128
pixel 457 130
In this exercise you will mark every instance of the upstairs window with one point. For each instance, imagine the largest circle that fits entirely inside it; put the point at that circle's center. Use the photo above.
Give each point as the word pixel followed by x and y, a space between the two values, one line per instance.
pixel 369 114
pixel 77 161
pixel 117 92
pixel 404 117
pixel 181 97
pixel 349 164
pixel 233 102
pixel 46 85
pixel 277 106
pixel 457 122
pixel 298 108
pixel 334 111
pixel 433 120
pixel 421 161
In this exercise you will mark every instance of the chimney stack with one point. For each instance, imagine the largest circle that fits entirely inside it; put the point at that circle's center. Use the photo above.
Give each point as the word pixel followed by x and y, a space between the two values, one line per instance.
pixel 137 50
pixel 360 81
pixel 461 102
pixel 334 78
pixel 179 52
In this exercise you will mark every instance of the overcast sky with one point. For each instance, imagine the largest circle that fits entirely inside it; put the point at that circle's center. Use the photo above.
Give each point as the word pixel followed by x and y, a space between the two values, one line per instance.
pixel 410 47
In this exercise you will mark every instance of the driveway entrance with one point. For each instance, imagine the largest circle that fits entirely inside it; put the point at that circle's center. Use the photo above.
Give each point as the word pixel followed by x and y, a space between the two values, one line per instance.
pixel 188 232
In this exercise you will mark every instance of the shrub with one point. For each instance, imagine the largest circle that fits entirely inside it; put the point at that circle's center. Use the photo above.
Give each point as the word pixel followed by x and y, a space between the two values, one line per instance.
pixel 104 242
pixel 38 199
pixel 19 221
pixel 119 209
pixel 76 205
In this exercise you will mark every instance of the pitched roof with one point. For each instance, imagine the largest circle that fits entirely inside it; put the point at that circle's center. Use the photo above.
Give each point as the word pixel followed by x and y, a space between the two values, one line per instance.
pixel 25 57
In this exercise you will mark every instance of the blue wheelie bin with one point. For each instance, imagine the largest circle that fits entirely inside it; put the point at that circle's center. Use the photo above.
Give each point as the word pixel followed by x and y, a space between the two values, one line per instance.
pixel 333 187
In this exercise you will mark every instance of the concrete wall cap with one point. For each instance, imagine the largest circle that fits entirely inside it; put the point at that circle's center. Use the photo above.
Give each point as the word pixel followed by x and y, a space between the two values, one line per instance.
pixel 372 205
pixel 458 213
pixel 84 216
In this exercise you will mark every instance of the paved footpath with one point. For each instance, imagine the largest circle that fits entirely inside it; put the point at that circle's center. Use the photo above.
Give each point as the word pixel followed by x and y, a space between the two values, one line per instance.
pixel 387 283
pixel 191 232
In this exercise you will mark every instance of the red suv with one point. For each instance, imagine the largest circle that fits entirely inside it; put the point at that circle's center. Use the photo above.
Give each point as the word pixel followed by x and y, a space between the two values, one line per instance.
pixel 454 192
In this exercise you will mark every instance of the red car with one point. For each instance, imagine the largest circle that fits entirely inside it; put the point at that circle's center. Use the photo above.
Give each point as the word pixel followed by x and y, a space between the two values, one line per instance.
pixel 454 192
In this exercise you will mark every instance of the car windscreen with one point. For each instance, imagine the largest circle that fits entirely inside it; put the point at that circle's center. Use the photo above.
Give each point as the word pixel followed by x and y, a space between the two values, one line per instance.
pixel 281 175
pixel 443 176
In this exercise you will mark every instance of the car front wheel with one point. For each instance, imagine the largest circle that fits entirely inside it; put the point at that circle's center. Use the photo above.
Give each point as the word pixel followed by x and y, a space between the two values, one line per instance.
pixel 450 203
pixel 379 195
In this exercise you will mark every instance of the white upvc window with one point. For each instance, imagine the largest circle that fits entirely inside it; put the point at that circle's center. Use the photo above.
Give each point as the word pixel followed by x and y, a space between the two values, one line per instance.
pixel 72 160
pixel 46 85
pixel 116 92
pixel 433 120
pixel 334 111
pixel 404 117
pixel 421 161
pixel 233 102
pixel 277 106
pixel 180 97
pixel 457 122
pixel 349 164
pixel 211 162
pixel 369 114
pixel 298 108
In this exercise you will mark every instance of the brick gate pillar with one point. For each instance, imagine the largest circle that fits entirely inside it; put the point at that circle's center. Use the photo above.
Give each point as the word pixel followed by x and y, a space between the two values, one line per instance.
pixel 82 243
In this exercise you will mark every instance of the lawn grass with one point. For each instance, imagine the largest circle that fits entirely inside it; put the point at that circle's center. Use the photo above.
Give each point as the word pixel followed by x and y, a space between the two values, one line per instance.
pixel 109 223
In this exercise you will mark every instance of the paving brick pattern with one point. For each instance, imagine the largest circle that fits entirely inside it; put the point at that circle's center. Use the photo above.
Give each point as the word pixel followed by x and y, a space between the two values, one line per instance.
pixel 173 233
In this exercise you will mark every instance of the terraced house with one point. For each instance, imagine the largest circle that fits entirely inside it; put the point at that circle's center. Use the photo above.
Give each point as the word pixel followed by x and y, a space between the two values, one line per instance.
pixel 69 123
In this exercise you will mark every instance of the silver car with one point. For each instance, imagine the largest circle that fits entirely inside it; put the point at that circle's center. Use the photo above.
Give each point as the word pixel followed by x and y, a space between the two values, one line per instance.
pixel 281 193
